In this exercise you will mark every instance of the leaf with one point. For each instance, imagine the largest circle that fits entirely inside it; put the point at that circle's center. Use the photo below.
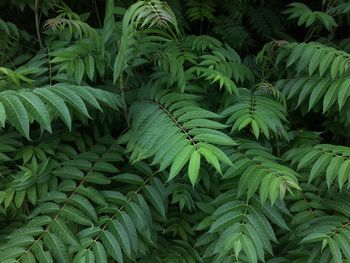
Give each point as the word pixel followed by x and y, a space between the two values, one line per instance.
pixel 128 178
pixel 16 114
pixel 92 194
pixel 211 158
pixel 74 215
pixel 255 128
pixel 180 160
pixel 57 103
pixel 225 220
pixel 79 69
pixel 72 98
pixel 194 166
pixel 89 66
pixel 12 253
pixel 112 246
pixel 2 115
pixel 314 237
pixel 138 216
pixel 319 166
pixel 335 250
pixel 28 258
pixel 99 252
pixel 87 96
pixel 343 244
pixel 155 199
pixel 40 254
pixel 344 171
pixel 96 178
pixel 64 232
pixel 120 234
pixel 56 247
pixel 36 108
pixel 215 138
pixel 83 204
pixel 248 248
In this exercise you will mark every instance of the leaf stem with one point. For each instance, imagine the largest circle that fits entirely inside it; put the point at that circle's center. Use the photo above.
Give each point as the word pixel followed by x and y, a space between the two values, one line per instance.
pixel 37 23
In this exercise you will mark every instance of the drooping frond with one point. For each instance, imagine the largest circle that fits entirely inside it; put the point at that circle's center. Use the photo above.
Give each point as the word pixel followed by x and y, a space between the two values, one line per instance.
pixel 308 17
pixel 314 59
pixel 311 90
pixel 140 26
pixel 201 57
pixel 320 74
pixel 222 65
pixel 322 225
pixel 239 228
pixel 44 104
pixel 256 110
pixel 188 132
pixel 77 28
pixel 149 14
pixel 79 61
pixel 331 161
pixel 260 171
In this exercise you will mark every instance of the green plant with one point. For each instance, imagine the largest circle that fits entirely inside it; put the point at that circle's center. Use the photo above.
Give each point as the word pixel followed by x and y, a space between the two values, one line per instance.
pixel 174 131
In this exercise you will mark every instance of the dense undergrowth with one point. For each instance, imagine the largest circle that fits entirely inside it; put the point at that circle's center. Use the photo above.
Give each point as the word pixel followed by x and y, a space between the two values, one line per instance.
pixel 174 131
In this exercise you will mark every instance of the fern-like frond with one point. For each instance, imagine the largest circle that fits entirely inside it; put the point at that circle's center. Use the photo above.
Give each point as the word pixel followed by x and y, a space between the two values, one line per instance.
pixel 78 61
pixel 267 87
pixel 171 61
pixel 77 28
pixel 239 228
pixel 321 73
pixel 222 65
pixel 187 134
pixel 258 111
pixel 200 10
pixel 142 26
pixel 148 14
pixel 314 59
pixel 258 169
pixel 311 90
pixel 308 17
pixel 20 108
pixel 331 161
pixel 323 225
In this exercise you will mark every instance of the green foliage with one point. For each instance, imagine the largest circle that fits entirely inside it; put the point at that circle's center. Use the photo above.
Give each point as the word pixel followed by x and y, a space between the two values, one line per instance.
pixel 188 132
pixel 255 109
pixel 174 131
pixel 308 17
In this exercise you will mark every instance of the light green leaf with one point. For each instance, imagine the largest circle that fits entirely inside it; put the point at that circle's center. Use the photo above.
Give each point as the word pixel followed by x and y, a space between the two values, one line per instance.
pixel 99 252
pixel 16 113
pixel 248 248
pixel 193 167
pixel 180 161
pixel 335 250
